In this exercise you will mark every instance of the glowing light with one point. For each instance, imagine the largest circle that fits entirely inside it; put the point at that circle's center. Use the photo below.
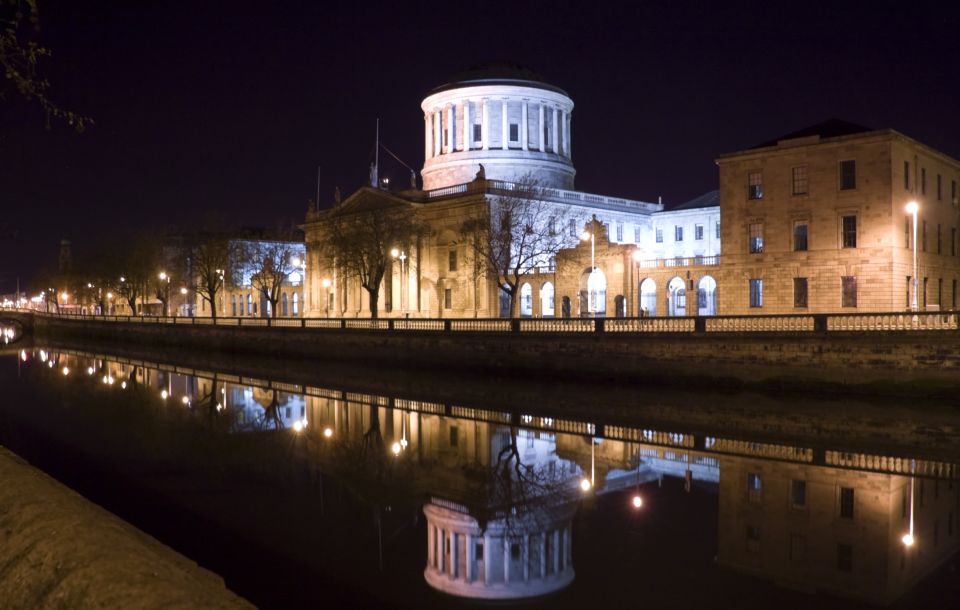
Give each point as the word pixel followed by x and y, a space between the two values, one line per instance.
pixel 295 261
pixel 325 282
pixel 297 426
pixel 109 295
pixel 50 364
pixel 163 394
pixel 585 235
pixel 43 356
pixel 66 371
pixel 395 448
pixel 327 432
pixel 183 291
pixel 123 385
pixel 90 370
pixel 185 400
pixel 403 442
pixel 637 255
pixel 637 501
pixel 585 484
pixel 912 207
pixel 219 407
pixel 908 539
pixel 394 253
pixel 163 275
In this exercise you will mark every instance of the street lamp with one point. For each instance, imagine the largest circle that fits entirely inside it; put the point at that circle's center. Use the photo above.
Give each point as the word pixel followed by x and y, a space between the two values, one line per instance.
pixel 591 299
pixel 637 255
pixel 166 290
pixel 401 256
pixel 296 261
pixel 912 209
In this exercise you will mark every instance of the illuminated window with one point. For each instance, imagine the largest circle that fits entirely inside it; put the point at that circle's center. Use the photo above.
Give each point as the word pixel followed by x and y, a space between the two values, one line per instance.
pixel 755 230
pixel 755 185
pixel 452 260
pixel 800 180
pixel 846 502
pixel 756 292
pixel 718 230
pixel 848 175
pixel 619 231
pixel 659 236
pixel 799 292
pixel 800 229
pixel 678 233
pixel 754 483
pixel 698 232
pixel 849 290
pixel 848 231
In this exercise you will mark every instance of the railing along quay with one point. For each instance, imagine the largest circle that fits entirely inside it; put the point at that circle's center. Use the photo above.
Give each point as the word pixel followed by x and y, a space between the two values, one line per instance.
pixel 790 323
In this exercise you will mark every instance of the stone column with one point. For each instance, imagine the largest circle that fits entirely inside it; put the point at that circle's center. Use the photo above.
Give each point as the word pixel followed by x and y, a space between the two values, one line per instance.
pixel 567 548
pixel 505 133
pixel 523 126
pixel 431 546
pixel 466 138
pixel 506 560
pixel 525 557
pixel 556 131
pixel 485 125
pixel 454 555
pixel 486 559
pixel 566 134
pixel 451 129
pixel 427 138
pixel 542 129
pixel 569 135
pixel 437 126
pixel 468 558
pixel 543 555
pixel 555 541
pixel 442 551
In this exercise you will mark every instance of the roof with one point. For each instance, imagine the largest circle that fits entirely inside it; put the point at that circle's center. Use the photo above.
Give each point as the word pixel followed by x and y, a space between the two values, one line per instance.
pixel 831 128
pixel 497 73
pixel 707 200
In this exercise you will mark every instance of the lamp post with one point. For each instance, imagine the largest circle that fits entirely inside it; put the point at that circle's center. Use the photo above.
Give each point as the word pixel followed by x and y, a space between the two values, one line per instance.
pixel 636 285
pixel 166 290
pixel 401 256
pixel 912 209
pixel 302 264
pixel 325 282
pixel 223 297
pixel 593 266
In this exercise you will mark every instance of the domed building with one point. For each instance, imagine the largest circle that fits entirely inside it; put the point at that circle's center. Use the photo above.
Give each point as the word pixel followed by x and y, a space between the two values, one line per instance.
pixel 499 136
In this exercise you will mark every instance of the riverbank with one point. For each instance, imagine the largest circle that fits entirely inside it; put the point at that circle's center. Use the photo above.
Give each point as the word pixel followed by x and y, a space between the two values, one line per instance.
pixel 58 550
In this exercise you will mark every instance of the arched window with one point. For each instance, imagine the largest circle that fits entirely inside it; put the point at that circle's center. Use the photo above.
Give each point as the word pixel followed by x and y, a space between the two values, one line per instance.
pixel 526 300
pixel 283 304
pixel 707 296
pixel 546 300
pixel 677 301
pixel 648 297
pixel 233 305
pixel 249 304
pixel 296 304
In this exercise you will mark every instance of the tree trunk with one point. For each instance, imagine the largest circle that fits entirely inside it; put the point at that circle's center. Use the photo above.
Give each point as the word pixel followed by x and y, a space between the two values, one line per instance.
pixel 514 303
pixel 374 299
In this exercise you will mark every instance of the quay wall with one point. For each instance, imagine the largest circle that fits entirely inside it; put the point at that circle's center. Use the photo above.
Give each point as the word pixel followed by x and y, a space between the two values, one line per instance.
pixel 839 357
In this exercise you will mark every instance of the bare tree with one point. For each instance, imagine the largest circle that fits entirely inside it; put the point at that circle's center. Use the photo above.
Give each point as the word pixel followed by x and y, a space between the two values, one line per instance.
pixel 359 243
pixel 518 231
pixel 268 264
pixel 210 259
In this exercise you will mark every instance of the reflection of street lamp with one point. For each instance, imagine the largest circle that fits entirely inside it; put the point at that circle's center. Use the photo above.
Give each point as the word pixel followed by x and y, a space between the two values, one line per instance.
pixel 401 256
pixel 326 295
pixel 912 209
pixel 908 539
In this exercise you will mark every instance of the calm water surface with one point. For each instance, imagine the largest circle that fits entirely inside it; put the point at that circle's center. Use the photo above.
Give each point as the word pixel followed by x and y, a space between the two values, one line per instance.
pixel 303 492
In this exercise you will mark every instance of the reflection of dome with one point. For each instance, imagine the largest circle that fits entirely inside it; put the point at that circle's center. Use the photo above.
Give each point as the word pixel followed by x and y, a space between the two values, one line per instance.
pixel 526 557
pixel 503 116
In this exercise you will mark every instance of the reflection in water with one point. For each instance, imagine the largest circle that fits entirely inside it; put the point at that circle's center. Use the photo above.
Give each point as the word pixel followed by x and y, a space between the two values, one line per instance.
pixel 500 490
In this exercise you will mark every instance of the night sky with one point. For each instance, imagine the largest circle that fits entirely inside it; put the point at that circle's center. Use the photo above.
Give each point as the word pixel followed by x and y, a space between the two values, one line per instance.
pixel 230 107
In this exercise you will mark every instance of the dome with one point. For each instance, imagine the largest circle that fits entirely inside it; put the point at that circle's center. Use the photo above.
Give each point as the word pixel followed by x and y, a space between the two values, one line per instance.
pixel 497 73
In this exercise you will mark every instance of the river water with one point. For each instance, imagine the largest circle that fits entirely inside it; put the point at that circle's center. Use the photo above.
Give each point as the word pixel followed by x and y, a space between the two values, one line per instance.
pixel 309 485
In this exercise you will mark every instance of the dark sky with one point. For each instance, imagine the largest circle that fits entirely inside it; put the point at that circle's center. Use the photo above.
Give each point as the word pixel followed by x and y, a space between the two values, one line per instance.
pixel 230 107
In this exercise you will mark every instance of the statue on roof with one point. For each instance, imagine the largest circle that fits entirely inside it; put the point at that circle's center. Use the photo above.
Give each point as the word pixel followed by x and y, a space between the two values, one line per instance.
pixel 481 173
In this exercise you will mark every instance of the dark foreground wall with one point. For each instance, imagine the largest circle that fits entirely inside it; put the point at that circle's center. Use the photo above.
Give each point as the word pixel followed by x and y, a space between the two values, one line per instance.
pixel 835 357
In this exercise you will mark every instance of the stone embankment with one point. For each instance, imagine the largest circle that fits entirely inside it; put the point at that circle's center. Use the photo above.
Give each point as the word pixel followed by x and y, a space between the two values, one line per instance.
pixel 58 550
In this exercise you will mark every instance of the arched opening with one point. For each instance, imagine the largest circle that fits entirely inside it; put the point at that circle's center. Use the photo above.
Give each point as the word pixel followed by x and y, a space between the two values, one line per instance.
pixel 648 297
pixel 677 297
pixel 565 307
pixel 296 303
pixel 249 304
pixel 283 304
pixel 233 305
pixel 504 302
pixel 707 296
pixel 526 301
pixel 547 309
pixel 620 306
pixel 593 293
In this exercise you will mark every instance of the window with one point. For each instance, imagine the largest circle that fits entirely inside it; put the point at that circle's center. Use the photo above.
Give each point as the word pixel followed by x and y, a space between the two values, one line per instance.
pixel 678 233
pixel 659 236
pixel 848 175
pixel 953 241
pixel 756 293
pixel 844 557
pixel 514 551
pixel 573 227
pixel 800 180
pixel 940 292
pixel 797 547
pixel 953 300
pixel 477 132
pixel 452 260
pixel 925 282
pixel 800 229
pixel 636 234
pixel 620 231
pixel 447 298
pixel 848 229
pixel 755 185
pixel 799 292
pixel 939 188
pixel 906 175
pixel 923 236
pixel 846 502
pixel 906 231
pixel 755 233
pixel 849 291
pixel 514 132
pixel 923 181
pixel 939 239
pixel 953 191
pixel 753 538
pixel 478 552
pixel 445 138
pixel 717 232
pixel 454 437
pixel 698 231
pixel 798 493
pixel 754 482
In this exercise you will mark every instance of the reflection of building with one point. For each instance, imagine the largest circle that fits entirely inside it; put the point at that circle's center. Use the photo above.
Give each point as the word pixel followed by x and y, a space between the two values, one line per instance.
pixel 832 529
